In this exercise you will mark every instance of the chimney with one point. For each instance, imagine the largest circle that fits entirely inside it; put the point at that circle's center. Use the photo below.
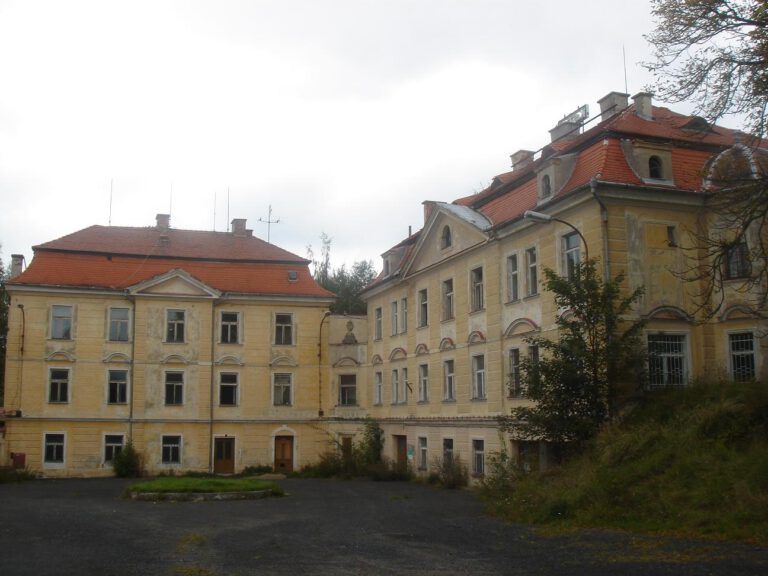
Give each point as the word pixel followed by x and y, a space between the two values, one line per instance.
pixel 612 103
pixel 565 129
pixel 643 105
pixel 429 206
pixel 163 221
pixel 238 227
pixel 17 261
pixel 521 159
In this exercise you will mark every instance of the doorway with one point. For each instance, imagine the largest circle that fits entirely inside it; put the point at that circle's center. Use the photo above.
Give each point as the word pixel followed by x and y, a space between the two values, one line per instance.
pixel 224 455
pixel 284 454
pixel 401 444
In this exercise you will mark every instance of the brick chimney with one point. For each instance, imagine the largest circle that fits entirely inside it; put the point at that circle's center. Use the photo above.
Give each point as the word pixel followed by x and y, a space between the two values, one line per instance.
pixel 612 103
pixel 521 159
pixel 239 229
pixel 163 221
pixel 17 262
pixel 644 105
pixel 429 206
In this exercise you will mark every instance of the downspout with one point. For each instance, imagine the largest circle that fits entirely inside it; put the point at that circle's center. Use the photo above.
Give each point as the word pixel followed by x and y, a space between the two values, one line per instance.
pixel 210 413
pixel 320 365
pixel 21 352
pixel 604 223
pixel 132 367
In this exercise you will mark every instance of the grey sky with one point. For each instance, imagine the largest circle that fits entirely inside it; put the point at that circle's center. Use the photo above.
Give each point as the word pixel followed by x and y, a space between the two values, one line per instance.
pixel 343 115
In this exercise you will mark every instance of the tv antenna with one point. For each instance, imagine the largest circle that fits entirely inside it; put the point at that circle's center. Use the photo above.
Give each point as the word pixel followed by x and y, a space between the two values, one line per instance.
pixel 269 223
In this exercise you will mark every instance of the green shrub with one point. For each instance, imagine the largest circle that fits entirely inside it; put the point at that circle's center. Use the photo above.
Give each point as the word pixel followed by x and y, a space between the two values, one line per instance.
pixel 501 471
pixel 128 462
pixel 451 472
pixel 9 475
pixel 257 469
pixel 389 471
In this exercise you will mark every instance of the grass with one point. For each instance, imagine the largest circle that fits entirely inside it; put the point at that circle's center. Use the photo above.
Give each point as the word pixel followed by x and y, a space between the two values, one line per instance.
pixel 10 475
pixel 186 484
pixel 687 462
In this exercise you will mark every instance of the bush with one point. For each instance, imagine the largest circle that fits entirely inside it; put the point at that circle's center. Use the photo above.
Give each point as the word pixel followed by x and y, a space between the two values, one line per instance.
pixel 255 470
pixel 128 462
pixel 451 472
pixel 389 471
pixel 8 475
pixel 501 471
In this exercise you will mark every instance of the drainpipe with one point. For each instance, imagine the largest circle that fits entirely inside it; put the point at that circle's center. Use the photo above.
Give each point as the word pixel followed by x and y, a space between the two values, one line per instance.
pixel 210 414
pixel 21 352
pixel 320 365
pixel 132 367
pixel 604 221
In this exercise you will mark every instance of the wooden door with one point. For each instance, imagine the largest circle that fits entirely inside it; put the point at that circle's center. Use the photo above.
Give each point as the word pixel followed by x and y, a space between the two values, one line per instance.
pixel 224 456
pixel 284 454
pixel 401 443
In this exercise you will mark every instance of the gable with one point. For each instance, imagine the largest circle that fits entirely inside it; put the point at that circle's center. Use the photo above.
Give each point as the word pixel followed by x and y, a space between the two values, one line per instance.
pixel 174 283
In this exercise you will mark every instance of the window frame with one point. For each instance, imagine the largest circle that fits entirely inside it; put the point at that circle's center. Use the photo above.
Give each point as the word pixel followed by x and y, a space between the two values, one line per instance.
pixel 394 325
pixel 175 456
pixel 449 380
pixel 479 391
pixel 448 450
pixel 177 388
pixel 280 329
pixel 60 384
pixel 403 315
pixel 732 354
pixel 736 262
pixel 477 289
pixel 347 387
pixel 446 237
pixel 423 383
pixel 516 389
pixel 655 167
pixel 570 250
pixel 684 355
pixel 108 448
pixel 55 463
pixel 513 278
pixel 119 323
pixel 395 387
pixel 423 297
pixel 62 327
pixel 378 388
pixel 225 327
pixel 423 450
pixel 175 329
pixel 288 385
pixel 531 271
pixel 448 299
pixel 377 323
pixel 230 385
pixel 113 380
pixel 478 457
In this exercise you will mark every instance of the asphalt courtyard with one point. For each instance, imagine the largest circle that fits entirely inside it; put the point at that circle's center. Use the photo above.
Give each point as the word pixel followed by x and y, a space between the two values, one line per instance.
pixel 61 527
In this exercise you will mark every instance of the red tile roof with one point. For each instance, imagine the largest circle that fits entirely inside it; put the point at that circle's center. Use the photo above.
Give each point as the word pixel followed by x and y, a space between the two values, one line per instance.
pixel 117 257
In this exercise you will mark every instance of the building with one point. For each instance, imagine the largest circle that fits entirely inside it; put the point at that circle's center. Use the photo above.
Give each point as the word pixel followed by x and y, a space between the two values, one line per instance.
pixel 216 351
pixel 451 310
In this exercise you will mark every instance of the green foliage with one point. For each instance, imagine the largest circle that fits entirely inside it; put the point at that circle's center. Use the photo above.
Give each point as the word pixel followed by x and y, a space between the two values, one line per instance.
pixel 128 462
pixel 204 484
pixel 372 444
pixel 11 475
pixel 256 470
pixel 594 366
pixel 689 461
pixel 502 471
pixel 4 302
pixel 451 472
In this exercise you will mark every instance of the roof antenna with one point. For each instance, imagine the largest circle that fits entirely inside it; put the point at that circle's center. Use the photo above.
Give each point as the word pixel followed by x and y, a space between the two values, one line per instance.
pixel 227 208
pixel 170 203
pixel 214 210
pixel 624 53
pixel 269 222
pixel 111 181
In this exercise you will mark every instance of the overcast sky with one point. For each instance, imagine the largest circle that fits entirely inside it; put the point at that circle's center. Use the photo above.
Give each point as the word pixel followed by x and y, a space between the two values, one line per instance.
pixel 342 115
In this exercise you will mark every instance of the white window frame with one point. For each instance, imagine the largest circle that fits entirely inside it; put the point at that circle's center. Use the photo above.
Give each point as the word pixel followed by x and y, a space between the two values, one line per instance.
pixel 175 324
pixel 55 319
pixel 531 271
pixel 342 387
pixel 423 297
pixel 753 353
pixel 378 387
pixel 449 380
pixel 478 457
pixel 423 383
pixel 515 376
pixel 404 386
pixel 477 288
pixel 394 327
pixel 228 324
pixel 448 452
pixel 176 385
pixel 513 277
pixel 479 391
pixel 377 320
pixel 291 391
pixel 118 322
pixel 570 250
pixel 403 315
pixel 127 385
pixel 448 299
pixel 423 448
pixel 104 446
pixel 236 386
pixel 395 389
pixel 53 464
pixel 281 329
pixel 686 357
pixel 68 398
pixel 163 461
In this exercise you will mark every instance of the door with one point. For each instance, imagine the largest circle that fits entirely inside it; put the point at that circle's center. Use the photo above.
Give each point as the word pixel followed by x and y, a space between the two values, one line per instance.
pixel 401 442
pixel 224 455
pixel 284 454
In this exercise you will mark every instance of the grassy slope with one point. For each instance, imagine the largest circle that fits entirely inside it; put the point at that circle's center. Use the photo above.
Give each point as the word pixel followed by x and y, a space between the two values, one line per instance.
pixel 689 462
pixel 191 484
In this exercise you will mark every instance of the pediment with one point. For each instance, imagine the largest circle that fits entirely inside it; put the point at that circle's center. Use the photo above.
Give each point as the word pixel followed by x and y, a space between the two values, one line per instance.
pixel 347 361
pixel 467 229
pixel 521 327
pixel 176 282
pixel 117 358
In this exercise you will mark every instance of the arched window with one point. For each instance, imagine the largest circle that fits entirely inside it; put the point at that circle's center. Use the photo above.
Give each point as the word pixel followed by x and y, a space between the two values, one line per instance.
pixel 546 186
pixel 654 167
pixel 445 238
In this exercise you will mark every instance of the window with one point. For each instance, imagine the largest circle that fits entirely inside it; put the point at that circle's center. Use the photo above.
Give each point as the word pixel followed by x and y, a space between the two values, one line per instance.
pixel 478 457
pixel 513 287
pixel 423 461
pixel 171 449
pixel 423 383
pixel 667 365
pixel 58 385
pixel 54 449
pixel 571 254
pixel 476 280
pixel 230 327
pixel 118 324
pixel 447 450
pixel 393 318
pixel 377 324
pixel 174 326
pixel 533 361
pixel 118 387
pixel 348 390
pixel 113 445
pixel 515 381
pixel 655 168
pixel 61 322
pixel 742 352
pixel 423 308
pixel 282 385
pixel 546 186
pixel 283 329
pixel 395 387
pixel 448 299
pixel 532 277
pixel 445 238
pixel 737 263
pixel 478 377
pixel 403 315
pixel 228 383
pixel 449 389
pixel 377 388
pixel 404 383
pixel 386 266
pixel 174 388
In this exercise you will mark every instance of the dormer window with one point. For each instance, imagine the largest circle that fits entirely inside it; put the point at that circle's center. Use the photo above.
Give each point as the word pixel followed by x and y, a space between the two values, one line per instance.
pixel 446 239
pixel 655 168
pixel 386 267
pixel 546 186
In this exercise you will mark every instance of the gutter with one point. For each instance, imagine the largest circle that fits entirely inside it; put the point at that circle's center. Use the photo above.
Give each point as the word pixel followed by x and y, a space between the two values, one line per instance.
pixel 604 224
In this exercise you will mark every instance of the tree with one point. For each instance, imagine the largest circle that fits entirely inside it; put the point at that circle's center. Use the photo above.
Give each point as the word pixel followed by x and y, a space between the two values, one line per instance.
pixel 3 329
pixel 345 283
pixel 593 367
pixel 714 53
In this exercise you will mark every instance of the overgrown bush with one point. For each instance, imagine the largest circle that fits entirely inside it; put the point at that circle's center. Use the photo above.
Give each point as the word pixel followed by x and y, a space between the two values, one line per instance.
pixel 501 471
pixel 9 475
pixel 128 462
pixel 368 451
pixel 255 470
pixel 389 471
pixel 451 471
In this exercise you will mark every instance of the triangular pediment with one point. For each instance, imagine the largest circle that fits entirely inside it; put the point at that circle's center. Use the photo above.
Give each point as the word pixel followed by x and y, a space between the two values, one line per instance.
pixel 450 230
pixel 177 283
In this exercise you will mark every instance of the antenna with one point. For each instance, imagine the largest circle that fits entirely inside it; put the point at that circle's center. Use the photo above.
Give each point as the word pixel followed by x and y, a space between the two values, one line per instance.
pixel 228 209
pixel 214 210
pixel 170 203
pixel 624 53
pixel 111 181
pixel 269 222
